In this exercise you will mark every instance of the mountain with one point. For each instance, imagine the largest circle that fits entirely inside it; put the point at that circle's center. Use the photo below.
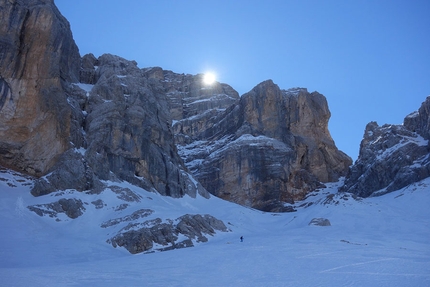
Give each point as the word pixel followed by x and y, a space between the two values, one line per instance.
pixel 392 156
pixel 107 119
pixel 101 159
pixel 133 159
pixel 72 125
pixel 269 147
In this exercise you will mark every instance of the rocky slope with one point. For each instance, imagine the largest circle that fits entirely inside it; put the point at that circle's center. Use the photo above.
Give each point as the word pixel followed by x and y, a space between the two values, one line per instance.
pixel 124 216
pixel 392 156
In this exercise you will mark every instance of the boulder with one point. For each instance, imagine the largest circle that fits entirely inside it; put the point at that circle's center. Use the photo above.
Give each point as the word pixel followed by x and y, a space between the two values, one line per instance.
pixel 320 222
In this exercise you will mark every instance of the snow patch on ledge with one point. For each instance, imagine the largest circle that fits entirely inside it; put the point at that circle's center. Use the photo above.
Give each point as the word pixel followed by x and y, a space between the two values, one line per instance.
pixel 85 87
pixel 251 140
pixel 413 115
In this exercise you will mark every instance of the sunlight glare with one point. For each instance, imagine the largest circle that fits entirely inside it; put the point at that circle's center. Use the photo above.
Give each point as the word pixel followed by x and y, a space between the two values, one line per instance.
pixel 209 78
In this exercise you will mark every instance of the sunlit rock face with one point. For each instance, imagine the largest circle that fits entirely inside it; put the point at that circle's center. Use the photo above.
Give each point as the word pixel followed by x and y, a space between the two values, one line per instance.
pixel 37 55
pixel 392 156
pixel 271 147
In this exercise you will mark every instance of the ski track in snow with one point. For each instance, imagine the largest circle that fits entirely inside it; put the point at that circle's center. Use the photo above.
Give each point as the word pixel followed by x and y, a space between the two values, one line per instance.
pixel 380 241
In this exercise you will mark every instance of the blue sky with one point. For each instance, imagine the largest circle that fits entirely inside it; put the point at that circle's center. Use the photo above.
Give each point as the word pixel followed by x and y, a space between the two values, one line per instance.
pixel 370 59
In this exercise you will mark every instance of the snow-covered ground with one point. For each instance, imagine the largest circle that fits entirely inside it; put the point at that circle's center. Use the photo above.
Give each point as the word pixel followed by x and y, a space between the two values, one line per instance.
pixel 382 241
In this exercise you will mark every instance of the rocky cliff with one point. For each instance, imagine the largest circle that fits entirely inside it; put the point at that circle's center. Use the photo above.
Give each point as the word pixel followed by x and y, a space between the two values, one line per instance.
pixel 392 156
pixel 80 121
pixel 37 57
pixel 76 122
pixel 270 147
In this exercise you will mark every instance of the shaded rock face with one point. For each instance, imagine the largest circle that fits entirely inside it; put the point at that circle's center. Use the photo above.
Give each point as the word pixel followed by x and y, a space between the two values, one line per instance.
pixel 419 121
pixel 121 131
pixel 127 129
pixel 37 54
pixel 271 146
pixel 391 156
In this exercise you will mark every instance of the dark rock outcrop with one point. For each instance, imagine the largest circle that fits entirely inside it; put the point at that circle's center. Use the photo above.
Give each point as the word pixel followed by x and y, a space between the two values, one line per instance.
pixel 419 121
pixel 320 222
pixel 141 213
pixel 271 146
pixel 71 207
pixel 392 156
pixel 166 234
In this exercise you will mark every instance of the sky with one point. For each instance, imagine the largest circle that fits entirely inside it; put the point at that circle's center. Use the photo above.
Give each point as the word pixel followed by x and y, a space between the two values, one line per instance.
pixel 376 241
pixel 370 59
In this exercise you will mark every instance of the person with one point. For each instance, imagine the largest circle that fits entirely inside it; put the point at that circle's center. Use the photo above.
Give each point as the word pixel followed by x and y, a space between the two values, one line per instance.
pixel 241 239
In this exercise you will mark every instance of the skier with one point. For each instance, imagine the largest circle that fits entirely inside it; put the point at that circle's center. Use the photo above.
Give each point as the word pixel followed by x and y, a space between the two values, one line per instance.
pixel 241 239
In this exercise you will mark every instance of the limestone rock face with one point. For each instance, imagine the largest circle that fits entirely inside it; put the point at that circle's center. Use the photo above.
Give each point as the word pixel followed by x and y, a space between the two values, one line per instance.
pixel 127 129
pixel 121 130
pixel 193 105
pixel 271 146
pixel 37 54
pixel 80 121
pixel 391 156
pixel 419 121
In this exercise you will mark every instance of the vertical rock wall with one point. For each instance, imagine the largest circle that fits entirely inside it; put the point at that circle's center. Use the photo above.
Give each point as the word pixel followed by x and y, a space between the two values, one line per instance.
pixel 37 53
pixel 269 148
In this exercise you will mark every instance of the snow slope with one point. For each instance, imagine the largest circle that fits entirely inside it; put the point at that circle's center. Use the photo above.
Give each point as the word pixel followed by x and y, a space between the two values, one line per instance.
pixel 382 241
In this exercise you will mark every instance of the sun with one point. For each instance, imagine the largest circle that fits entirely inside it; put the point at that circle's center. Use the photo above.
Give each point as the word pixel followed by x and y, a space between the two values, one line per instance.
pixel 209 78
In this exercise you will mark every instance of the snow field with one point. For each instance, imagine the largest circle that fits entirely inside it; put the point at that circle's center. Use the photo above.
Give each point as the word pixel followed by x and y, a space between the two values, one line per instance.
pixel 381 241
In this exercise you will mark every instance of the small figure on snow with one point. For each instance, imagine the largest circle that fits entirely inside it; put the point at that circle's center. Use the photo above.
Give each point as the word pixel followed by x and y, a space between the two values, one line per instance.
pixel 241 239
